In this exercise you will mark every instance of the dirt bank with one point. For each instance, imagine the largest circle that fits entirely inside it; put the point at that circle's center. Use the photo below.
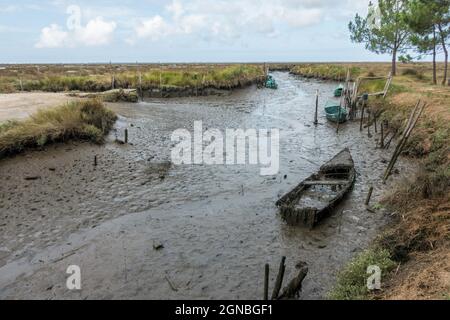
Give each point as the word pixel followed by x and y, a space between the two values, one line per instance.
pixel 16 106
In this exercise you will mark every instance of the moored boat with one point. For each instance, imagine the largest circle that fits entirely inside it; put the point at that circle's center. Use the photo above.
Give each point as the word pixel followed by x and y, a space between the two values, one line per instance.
pixel 335 112
pixel 338 91
pixel 314 198
pixel 271 83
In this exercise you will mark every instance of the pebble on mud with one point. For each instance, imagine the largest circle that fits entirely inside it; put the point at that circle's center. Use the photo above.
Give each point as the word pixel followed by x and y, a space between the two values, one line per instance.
pixel 158 246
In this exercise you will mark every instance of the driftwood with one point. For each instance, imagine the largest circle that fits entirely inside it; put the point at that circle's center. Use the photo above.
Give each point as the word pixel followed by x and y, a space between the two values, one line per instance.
pixel 279 281
pixel 412 121
pixel 293 289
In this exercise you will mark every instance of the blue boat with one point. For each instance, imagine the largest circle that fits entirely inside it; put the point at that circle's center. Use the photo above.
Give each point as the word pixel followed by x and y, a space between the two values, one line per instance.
pixel 271 83
pixel 335 112
pixel 338 91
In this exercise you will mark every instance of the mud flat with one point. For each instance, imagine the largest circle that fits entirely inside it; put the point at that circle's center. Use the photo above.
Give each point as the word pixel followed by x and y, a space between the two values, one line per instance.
pixel 218 225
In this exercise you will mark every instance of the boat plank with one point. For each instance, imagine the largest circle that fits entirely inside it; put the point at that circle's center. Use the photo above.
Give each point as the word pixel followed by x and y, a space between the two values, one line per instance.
pixel 325 182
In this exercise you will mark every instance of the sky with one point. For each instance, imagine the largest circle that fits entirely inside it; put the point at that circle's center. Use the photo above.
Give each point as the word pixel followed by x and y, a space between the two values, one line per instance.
pixel 81 31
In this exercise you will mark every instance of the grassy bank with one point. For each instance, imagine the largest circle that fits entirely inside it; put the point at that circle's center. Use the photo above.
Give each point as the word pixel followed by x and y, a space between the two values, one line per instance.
pixel 87 120
pixel 99 78
pixel 418 239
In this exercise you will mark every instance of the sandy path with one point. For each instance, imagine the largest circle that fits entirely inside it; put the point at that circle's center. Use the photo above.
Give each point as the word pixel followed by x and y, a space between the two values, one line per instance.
pixel 21 105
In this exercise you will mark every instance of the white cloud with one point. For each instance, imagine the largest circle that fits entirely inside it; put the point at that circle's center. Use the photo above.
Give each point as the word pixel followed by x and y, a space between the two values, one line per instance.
pixel 97 32
pixel 52 37
pixel 227 20
pixel 153 28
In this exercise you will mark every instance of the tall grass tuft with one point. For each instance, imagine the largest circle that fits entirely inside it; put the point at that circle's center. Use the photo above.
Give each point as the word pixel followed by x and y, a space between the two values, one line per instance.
pixel 86 120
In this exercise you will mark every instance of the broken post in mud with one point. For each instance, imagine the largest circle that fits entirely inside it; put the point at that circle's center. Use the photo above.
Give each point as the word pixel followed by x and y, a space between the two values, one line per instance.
pixel 382 135
pixel 369 113
pixel 295 286
pixel 369 195
pixel 316 120
pixel 95 161
pixel 266 282
pixel 126 136
pixel 413 119
pixel 279 280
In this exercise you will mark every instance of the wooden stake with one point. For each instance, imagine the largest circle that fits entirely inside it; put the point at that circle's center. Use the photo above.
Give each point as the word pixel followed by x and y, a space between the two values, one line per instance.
pixel 382 136
pixel 126 136
pixel 414 118
pixel 266 282
pixel 369 195
pixel 316 120
pixel 279 281
pixel 362 115
pixel 375 122
pixel 95 161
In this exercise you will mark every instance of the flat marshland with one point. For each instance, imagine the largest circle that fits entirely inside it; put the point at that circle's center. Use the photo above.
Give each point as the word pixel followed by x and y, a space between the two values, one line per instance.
pixel 218 224
pixel 97 78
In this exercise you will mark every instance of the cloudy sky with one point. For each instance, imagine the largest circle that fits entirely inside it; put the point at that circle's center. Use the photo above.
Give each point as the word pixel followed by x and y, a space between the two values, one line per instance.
pixel 179 31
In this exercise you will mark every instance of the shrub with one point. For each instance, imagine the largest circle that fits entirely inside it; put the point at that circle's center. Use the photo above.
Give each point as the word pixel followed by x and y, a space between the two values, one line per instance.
pixel 87 120
pixel 352 280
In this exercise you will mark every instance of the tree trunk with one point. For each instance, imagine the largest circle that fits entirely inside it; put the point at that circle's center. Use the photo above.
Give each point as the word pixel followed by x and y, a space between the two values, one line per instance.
pixel 444 47
pixel 394 62
pixel 434 57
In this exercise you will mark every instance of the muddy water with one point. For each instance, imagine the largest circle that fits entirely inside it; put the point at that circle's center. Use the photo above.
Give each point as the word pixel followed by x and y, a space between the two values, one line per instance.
pixel 218 224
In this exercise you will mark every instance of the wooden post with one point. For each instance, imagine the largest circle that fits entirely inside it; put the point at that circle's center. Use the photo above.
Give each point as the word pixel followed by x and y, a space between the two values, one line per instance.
pixel 95 161
pixel 369 195
pixel 266 282
pixel 279 281
pixel 126 136
pixel 368 123
pixel 316 120
pixel 140 86
pixel 382 136
pixel 375 122
pixel 362 115
pixel 414 118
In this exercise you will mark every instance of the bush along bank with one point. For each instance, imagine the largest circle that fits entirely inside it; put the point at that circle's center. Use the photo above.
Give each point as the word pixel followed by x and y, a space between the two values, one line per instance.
pixel 82 120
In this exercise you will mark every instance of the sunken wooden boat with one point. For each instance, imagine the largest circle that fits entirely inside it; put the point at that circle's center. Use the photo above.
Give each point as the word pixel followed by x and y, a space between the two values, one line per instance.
pixel 317 196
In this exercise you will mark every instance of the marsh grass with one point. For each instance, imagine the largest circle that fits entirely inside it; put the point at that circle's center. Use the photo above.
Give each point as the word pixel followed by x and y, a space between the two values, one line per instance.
pixel 100 78
pixel 352 280
pixel 326 71
pixel 87 120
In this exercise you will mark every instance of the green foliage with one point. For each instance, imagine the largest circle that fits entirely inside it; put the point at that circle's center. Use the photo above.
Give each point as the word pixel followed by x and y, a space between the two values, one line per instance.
pixel 352 280
pixel 384 30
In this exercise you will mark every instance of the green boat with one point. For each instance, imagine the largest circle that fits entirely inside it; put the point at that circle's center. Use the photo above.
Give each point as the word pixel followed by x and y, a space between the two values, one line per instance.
pixel 338 91
pixel 335 112
pixel 271 83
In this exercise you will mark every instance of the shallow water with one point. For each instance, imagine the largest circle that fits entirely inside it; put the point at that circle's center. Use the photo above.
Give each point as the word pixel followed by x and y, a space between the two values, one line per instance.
pixel 218 224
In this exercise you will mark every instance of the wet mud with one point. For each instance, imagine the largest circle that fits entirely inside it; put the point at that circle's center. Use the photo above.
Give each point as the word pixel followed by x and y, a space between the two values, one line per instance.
pixel 140 227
